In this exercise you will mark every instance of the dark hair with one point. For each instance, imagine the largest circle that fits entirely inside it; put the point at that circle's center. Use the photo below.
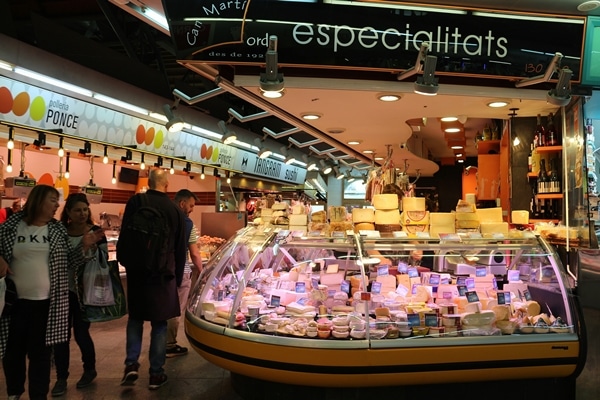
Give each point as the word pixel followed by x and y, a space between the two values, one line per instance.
pixel 184 194
pixel 73 199
pixel 35 201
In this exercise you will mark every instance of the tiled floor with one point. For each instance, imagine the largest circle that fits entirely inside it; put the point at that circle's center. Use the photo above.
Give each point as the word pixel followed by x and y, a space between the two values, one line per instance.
pixel 191 377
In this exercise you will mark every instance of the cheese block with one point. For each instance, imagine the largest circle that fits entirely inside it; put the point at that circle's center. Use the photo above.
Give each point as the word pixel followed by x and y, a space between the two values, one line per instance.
pixel 489 214
pixel 387 217
pixel 340 226
pixel 363 215
pixel 266 212
pixel 414 218
pixel 280 206
pixel 465 206
pixel 440 218
pixel 388 283
pixel 436 230
pixel 519 217
pixel 364 226
pixel 413 204
pixel 416 228
pixel 298 219
pixel 298 209
pixel 319 216
pixel 502 312
pixel 466 224
pixel 299 228
pixel 466 216
pixel 386 201
pixel 494 227
pixel 478 319
pixel 337 213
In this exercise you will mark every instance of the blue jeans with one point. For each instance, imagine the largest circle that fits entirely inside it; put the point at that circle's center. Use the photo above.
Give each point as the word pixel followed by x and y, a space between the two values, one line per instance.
pixel 158 344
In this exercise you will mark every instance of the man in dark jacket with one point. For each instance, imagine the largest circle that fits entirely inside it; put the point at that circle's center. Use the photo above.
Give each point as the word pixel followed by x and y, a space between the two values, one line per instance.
pixel 154 298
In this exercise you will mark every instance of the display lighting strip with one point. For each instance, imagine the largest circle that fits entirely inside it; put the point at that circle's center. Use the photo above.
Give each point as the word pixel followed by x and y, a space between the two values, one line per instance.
pixel 103 98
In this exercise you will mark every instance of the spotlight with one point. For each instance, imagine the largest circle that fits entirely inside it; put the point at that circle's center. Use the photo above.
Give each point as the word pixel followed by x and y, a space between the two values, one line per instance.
pixel 127 157
pixel 188 168
pixel 86 149
pixel 61 149
pixel 105 158
pixel 289 158
pixel 349 177
pixel 142 163
pixel 67 173
pixel 542 78
pixel 40 142
pixel 428 83
pixel 11 143
pixel 264 152
pixel 561 95
pixel 114 177
pixel 326 168
pixel 202 174
pixel 311 165
pixel 174 124
pixel 338 174
pixel 228 177
pixel 229 136
pixel 9 167
pixel 159 162
pixel 271 82
pixel 172 170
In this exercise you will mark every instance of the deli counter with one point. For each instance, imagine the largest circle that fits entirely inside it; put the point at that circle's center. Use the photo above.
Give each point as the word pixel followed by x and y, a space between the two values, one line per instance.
pixel 369 311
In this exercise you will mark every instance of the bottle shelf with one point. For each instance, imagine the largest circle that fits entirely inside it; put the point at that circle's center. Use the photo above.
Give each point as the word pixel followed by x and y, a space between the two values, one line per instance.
pixel 546 196
pixel 548 149
pixel 554 220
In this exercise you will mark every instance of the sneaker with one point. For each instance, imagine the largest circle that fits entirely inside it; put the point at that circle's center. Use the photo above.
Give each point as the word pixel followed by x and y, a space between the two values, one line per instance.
pixel 157 381
pixel 86 379
pixel 177 351
pixel 130 375
pixel 60 388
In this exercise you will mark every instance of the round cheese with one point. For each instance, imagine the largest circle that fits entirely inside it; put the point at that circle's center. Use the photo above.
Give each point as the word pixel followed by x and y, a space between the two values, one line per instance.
pixel 363 215
pixel 385 201
pixel 364 226
pixel 387 217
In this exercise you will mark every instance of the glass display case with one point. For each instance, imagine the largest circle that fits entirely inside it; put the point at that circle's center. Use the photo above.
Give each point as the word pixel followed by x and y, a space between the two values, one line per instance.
pixel 364 310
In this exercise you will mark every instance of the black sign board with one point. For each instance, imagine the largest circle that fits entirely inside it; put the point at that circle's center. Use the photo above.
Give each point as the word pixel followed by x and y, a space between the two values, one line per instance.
pixel 373 36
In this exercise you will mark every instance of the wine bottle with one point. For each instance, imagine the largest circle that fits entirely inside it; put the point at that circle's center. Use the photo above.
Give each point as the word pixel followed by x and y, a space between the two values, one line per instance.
pixel 551 134
pixel 542 178
pixel 536 210
pixel 540 132
pixel 535 161
pixel 542 209
pixel 530 158
pixel 553 181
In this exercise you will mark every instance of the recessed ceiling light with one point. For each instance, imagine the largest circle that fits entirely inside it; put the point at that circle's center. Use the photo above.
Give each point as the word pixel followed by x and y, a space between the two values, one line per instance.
pixel 497 103
pixel 354 142
pixel 388 97
pixel 449 119
pixel 459 155
pixel 336 131
pixel 311 115
pixel 368 151
pixel 460 160
pixel 457 147
pixel 588 5
pixel 378 158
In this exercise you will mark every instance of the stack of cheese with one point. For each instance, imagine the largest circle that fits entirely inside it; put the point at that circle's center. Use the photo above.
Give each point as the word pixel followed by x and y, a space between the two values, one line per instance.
pixel 414 218
pixel 387 215
pixel 466 217
pixel 318 222
pixel 363 219
pixel 490 221
pixel 280 214
pixel 266 215
pixel 298 218
pixel 440 222
pixel 337 219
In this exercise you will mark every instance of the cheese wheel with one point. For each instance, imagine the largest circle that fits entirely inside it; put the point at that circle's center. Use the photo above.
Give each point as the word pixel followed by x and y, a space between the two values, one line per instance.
pixel 440 218
pixel 319 217
pixel 363 215
pixel 387 217
pixel 266 212
pixel 413 204
pixel 502 312
pixel 489 214
pixel 386 201
pixel 364 226
pixel 532 308
pixel 414 218
pixel 337 213
pixel 519 217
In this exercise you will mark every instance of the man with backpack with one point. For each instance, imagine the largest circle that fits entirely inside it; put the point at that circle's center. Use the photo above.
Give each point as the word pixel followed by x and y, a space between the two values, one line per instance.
pixel 152 248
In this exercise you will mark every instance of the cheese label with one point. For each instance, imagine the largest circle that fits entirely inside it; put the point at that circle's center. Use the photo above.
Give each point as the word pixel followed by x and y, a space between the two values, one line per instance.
pixel 514 275
pixel 461 280
pixel 413 272
pixel 275 301
pixel 503 298
pixel 300 287
pixel 302 301
pixel 480 271
pixel 345 286
pixel 314 282
pixel 462 290
pixel 414 319
pixel 383 270
pixel 434 279
pixel 402 267
pixel 472 297
pixel 527 295
pixel 470 283
pixel 402 290
pixel 431 319
pixel 376 287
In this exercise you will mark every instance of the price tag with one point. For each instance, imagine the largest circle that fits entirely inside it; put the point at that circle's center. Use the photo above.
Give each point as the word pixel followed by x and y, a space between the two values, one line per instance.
pixel 480 271
pixel 527 295
pixel 414 319
pixel 330 292
pixel 376 287
pixel 472 297
pixel 338 234
pixel 447 295
pixel 383 270
pixel 434 279
pixel 365 296
pixel 414 288
pixel 413 272
pixel 402 267
pixel 431 319
pixel 275 301
pixel 475 235
pixel 503 297
pixel 315 283
pixel 514 275
pixel 494 283
pixel 345 286
pixel 470 282
pixel 302 301
pixel 462 290
pixel 402 290
pixel 498 235
pixel 461 280
pixel 453 237
pixel 423 234
pixel 445 280
pixel 300 287
pixel 399 234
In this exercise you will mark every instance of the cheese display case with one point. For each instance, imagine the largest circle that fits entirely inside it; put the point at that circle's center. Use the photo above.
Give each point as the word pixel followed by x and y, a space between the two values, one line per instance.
pixel 356 310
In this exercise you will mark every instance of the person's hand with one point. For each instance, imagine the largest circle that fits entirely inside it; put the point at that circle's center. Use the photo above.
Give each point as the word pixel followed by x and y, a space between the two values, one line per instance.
pixel 4 269
pixel 91 238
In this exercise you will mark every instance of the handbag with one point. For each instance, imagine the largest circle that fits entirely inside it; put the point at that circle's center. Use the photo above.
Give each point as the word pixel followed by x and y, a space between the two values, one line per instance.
pixel 109 312
pixel 97 287
pixel 9 296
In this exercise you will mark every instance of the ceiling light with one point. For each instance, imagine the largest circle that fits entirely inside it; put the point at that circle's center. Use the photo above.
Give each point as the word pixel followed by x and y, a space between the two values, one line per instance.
pixel 427 84
pixel 172 169
pixel 9 166
pixel 354 142
pixel 588 6
pixel 202 174
pixel 114 176
pixel 368 151
pixel 338 174
pixel 229 136
pixel 452 127
pixel 61 149
pixel 378 158
pixel 11 143
pixel 457 147
pixel 388 97
pixel 336 131
pixel 142 163
pixel 457 155
pixel 325 168
pixel 264 152
pixel 311 165
pixel 311 116
pixel 561 95
pixel 449 119
pixel 67 173
pixel 498 103
pixel 105 158
pixel 174 124
pixel 271 82
pixel 227 174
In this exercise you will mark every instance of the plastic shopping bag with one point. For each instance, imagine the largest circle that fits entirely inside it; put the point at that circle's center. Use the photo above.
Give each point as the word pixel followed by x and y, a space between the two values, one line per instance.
pixel 97 285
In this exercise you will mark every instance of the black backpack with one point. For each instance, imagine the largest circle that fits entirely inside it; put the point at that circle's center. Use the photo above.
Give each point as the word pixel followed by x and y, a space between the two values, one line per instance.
pixel 144 243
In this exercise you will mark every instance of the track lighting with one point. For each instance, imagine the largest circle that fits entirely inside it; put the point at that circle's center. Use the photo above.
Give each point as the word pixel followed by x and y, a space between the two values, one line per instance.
pixel 289 158
pixel 325 168
pixel 105 158
pixel 67 173
pixel 552 67
pixel 271 82
pixel 61 149
pixel 561 95
pixel 216 173
pixel 229 136
pixel 338 174
pixel 227 174
pixel 86 149
pixel 202 174
pixel 9 167
pixel 127 157
pixel 142 163
pixel 40 142
pixel 311 165
pixel 263 151
pixel 114 177
pixel 174 124
pixel 11 143
pixel 159 162
pixel 188 168
pixel 418 67
pixel 428 83
pixel 172 169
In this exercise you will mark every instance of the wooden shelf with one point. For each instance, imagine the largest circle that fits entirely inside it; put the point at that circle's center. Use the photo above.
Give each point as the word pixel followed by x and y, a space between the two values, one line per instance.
pixel 545 196
pixel 485 146
pixel 555 220
pixel 548 149
pixel 532 175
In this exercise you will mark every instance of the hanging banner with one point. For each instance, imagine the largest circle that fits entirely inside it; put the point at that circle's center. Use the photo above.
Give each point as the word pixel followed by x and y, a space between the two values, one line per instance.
pixel 29 105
